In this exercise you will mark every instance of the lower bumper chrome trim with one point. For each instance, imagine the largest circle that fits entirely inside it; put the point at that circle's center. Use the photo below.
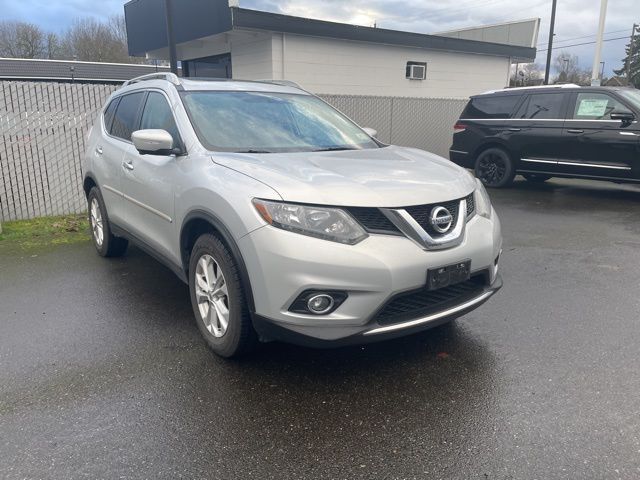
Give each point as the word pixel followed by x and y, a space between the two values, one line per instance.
pixel 435 316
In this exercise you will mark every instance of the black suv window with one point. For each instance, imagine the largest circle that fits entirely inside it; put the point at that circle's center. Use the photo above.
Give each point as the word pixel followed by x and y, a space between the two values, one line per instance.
pixel 109 113
pixel 157 114
pixel 542 106
pixel 490 106
pixel 126 115
pixel 596 106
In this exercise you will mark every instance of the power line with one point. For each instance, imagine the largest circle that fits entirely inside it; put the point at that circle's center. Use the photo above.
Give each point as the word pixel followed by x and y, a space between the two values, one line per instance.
pixel 544 44
pixel 589 43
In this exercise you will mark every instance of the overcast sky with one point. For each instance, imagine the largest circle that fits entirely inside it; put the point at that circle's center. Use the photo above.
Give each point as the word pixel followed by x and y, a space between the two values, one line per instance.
pixel 576 20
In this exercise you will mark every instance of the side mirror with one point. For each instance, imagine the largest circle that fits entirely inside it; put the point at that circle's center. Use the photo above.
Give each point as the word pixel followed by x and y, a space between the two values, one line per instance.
pixel 372 132
pixel 153 142
pixel 623 116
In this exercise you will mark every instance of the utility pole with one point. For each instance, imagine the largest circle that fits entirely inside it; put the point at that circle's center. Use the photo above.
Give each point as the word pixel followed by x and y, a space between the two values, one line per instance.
pixel 595 71
pixel 631 52
pixel 173 60
pixel 550 46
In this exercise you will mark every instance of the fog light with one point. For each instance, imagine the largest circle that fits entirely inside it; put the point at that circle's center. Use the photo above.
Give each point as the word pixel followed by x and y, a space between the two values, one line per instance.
pixel 320 303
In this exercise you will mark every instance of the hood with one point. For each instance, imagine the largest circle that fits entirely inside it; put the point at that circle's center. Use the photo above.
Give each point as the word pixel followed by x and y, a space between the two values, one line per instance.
pixel 384 177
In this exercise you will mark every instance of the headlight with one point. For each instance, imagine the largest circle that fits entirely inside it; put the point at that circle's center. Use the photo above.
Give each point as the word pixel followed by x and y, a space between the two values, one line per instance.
pixel 483 202
pixel 326 223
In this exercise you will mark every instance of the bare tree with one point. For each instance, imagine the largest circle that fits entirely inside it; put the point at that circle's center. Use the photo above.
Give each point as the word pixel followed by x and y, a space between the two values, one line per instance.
pixel 569 71
pixel 90 40
pixel 53 46
pixel 526 75
pixel 21 40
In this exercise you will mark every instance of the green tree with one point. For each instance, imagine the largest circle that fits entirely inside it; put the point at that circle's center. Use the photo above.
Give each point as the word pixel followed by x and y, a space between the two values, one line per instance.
pixel 633 57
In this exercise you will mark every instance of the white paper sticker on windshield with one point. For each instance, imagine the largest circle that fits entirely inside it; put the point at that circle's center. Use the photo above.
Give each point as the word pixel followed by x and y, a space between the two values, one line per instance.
pixel 592 107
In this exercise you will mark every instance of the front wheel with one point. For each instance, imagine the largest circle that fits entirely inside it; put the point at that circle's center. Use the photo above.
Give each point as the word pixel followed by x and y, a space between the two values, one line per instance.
pixel 494 168
pixel 218 298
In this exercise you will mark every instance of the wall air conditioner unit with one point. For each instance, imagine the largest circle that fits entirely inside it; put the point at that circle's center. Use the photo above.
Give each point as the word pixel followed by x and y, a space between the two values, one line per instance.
pixel 416 70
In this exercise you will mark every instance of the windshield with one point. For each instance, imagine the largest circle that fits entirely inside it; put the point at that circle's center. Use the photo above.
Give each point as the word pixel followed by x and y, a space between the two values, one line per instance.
pixel 259 122
pixel 633 96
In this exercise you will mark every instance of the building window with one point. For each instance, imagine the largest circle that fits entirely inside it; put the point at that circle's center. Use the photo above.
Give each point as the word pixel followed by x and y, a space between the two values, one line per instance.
pixel 217 66
pixel 416 70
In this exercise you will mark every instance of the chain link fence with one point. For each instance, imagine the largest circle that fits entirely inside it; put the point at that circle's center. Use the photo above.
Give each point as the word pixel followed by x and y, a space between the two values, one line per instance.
pixel 44 126
pixel 425 123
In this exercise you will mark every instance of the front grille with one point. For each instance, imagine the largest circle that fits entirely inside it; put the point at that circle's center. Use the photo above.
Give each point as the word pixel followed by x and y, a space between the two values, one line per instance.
pixel 422 213
pixel 471 205
pixel 373 220
pixel 420 303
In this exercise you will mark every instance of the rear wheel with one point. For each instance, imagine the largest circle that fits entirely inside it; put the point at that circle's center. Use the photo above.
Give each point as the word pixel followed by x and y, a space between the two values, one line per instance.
pixel 494 168
pixel 218 298
pixel 107 244
pixel 536 177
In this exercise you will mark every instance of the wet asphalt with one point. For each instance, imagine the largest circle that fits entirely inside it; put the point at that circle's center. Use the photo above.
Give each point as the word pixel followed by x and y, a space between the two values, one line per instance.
pixel 103 373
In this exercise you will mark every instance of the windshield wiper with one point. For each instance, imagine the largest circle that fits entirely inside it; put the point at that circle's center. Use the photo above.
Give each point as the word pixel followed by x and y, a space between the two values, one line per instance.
pixel 333 149
pixel 253 151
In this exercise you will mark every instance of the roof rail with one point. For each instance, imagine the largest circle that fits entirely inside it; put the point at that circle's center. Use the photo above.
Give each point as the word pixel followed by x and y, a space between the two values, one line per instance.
pixel 560 85
pixel 168 76
pixel 284 83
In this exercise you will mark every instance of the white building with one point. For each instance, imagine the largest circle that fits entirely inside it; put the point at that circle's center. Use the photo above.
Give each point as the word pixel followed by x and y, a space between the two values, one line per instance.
pixel 218 40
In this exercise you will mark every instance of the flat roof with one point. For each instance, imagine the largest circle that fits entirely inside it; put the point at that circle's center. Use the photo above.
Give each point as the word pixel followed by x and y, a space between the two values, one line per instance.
pixel 195 19
pixel 66 70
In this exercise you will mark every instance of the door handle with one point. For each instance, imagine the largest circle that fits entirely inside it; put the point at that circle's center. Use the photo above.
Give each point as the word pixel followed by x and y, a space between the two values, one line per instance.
pixel 514 129
pixel 99 150
pixel 571 130
pixel 127 165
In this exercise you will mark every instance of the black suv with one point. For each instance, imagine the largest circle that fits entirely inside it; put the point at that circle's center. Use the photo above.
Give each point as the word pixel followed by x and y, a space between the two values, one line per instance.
pixel 550 131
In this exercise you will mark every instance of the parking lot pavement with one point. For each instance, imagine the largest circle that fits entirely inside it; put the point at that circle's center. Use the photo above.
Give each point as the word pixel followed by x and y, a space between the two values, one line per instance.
pixel 103 373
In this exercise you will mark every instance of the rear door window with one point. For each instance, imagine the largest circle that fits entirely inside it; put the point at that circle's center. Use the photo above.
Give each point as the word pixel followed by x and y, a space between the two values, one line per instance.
pixel 596 106
pixel 542 106
pixel 126 116
pixel 491 107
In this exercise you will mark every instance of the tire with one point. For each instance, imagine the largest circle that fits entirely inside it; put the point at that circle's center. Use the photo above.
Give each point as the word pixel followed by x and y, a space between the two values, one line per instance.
pixel 107 244
pixel 495 168
pixel 212 269
pixel 536 177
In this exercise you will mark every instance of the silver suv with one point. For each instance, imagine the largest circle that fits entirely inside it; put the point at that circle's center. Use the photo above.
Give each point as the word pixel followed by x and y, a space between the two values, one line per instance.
pixel 287 220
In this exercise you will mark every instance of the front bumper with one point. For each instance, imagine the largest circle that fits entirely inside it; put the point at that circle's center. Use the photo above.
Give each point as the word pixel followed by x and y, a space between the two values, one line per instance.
pixel 281 265
pixel 373 332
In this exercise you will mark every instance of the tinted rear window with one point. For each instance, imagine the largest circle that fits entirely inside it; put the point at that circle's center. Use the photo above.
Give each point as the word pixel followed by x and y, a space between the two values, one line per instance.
pixel 126 115
pixel 109 113
pixel 491 106
pixel 542 106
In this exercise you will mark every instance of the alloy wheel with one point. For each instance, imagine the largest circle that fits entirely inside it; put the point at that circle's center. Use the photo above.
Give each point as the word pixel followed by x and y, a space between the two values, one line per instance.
pixel 491 169
pixel 212 296
pixel 96 222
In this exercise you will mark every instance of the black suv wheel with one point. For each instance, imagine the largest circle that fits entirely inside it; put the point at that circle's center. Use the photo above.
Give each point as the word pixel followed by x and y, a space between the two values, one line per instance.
pixel 494 168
